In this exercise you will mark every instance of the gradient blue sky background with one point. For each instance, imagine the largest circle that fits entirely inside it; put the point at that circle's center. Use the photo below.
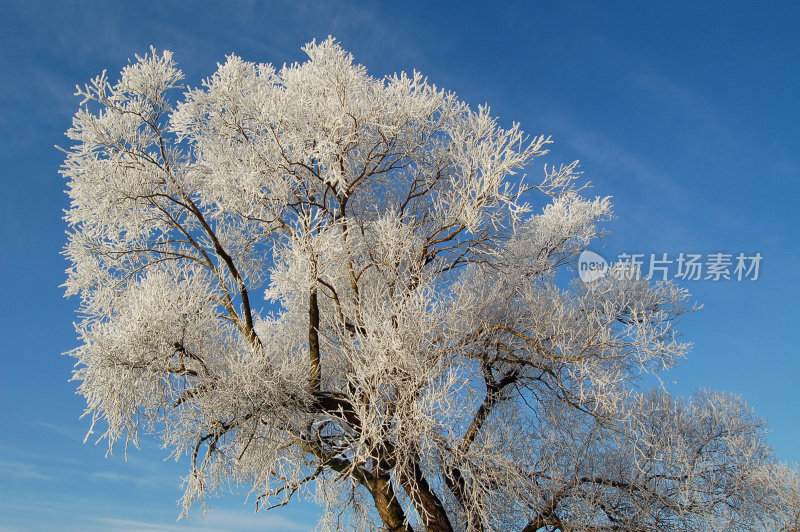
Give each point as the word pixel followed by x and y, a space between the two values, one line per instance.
pixel 687 115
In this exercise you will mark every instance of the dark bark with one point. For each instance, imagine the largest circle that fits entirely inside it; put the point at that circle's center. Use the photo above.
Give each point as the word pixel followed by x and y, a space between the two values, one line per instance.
pixel 389 509
pixel 314 380
pixel 454 478
pixel 425 500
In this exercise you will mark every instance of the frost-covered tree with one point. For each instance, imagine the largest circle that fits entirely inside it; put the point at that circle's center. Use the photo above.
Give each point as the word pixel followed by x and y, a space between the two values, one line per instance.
pixel 312 281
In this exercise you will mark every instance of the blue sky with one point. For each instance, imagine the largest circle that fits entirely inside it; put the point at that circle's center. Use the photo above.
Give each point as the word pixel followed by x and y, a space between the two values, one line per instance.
pixel 687 115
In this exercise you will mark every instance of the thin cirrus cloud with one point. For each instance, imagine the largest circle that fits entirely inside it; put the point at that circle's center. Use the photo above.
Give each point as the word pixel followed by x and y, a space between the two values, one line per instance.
pixel 116 477
pixel 218 521
pixel 22 470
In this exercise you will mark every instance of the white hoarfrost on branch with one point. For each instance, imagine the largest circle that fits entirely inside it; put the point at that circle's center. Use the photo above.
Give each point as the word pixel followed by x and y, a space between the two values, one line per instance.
pixel 418 364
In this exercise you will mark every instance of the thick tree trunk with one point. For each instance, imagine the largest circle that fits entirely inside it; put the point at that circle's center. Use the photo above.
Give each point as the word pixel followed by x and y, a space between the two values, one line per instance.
pixel 427 504
pixel 458 487
pixel 313 342
pixel 388 507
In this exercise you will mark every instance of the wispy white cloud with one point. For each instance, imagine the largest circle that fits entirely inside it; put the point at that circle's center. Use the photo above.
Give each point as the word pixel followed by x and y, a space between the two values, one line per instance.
pixel 21 470
pixel 127 525
pixel 116 477
pixel 618 161
pixel 617 169
pixel 70 433
pixel 699 112
pixel 244 521
pixel 600 150
pixel 220 521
